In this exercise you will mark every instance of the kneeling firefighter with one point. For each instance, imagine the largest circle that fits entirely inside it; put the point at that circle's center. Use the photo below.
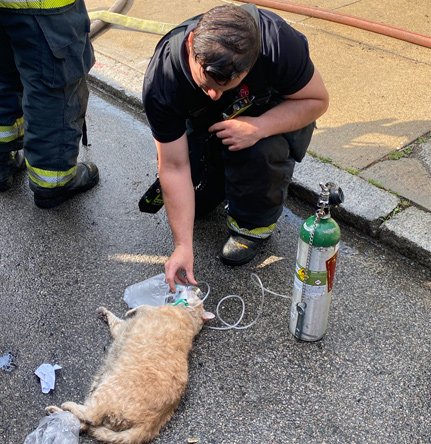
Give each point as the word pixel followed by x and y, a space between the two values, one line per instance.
pixel 231 97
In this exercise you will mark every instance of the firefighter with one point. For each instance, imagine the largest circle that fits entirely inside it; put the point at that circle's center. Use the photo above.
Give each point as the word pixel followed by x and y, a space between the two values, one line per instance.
pixel 231 97
pixel 46 55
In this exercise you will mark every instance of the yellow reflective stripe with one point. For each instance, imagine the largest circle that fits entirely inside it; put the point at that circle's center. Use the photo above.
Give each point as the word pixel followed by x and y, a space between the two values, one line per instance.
pixel 35 4
pixel 259 232
pixel 50 179
pixel 12 132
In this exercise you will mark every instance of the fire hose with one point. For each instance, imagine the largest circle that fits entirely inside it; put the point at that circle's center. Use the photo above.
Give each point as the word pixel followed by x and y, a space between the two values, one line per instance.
pixel 101 18
pixel 344 19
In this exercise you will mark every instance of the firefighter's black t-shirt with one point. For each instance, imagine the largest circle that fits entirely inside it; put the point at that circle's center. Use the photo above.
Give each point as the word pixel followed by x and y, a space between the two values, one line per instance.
pixel 170 96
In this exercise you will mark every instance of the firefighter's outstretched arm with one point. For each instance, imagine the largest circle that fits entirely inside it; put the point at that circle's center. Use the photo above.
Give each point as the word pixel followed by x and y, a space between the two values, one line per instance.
pixel 179 199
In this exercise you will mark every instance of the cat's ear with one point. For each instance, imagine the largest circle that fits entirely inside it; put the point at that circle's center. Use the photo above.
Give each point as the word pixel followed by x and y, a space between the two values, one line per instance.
pixel 131 313
pixel 207 315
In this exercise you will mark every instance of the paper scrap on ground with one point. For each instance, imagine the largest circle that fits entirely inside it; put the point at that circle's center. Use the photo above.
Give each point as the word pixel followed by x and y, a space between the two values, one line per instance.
pixel 46 373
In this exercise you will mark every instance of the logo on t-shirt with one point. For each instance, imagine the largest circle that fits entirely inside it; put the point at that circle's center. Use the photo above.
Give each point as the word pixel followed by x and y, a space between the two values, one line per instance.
pixel 244 91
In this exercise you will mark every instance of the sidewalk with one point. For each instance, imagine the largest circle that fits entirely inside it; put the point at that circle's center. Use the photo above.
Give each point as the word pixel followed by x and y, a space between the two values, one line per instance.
pixel 375 140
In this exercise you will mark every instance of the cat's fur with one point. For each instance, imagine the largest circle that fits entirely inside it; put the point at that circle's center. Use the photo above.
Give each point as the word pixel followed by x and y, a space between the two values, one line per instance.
pixel 144 374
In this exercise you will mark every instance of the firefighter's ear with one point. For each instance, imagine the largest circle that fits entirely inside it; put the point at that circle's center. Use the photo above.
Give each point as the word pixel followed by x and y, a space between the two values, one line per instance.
pixel 190 42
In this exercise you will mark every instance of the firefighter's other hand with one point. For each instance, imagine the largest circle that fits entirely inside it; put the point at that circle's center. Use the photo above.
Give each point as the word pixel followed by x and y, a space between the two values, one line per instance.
pixel 238 133
pixel 179 268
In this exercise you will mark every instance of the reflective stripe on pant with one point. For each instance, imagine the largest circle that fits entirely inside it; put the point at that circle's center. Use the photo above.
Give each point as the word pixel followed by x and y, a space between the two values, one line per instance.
pixel 254 181
pixel 47 60
pixel 50 179
pixel 11 118
pixel 34 4
pixel 10 133
pixel 259 232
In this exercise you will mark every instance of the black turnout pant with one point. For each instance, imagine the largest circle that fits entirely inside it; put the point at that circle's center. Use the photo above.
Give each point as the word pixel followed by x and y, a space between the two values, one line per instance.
pixel 252 181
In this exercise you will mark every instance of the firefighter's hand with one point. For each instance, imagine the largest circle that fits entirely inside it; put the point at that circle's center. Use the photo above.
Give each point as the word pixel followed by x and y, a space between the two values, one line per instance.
pixel 239 133
pixel 179 268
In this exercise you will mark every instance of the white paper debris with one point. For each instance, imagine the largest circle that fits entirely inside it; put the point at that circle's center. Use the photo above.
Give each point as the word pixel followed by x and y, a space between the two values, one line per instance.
pixel 46 373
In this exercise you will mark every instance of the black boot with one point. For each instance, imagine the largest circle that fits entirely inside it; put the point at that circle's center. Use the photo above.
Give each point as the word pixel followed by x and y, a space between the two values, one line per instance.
pixel 87 176
pixel 240 249
pixel 10 163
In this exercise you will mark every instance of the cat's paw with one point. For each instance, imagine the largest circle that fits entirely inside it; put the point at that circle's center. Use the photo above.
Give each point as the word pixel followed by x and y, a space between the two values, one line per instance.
pixel 102 313
pixel 52 409
pixel 68 406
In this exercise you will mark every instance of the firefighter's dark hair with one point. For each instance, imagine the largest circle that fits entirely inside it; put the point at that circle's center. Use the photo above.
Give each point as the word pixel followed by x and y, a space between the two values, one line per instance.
pixel 226 42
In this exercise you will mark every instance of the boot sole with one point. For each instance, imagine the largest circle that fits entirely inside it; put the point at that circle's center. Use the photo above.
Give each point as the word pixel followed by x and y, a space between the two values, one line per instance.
pixel 236 263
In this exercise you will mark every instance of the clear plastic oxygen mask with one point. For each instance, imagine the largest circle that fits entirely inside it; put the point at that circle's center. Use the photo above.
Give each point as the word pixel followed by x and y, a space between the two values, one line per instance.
pixel 155 292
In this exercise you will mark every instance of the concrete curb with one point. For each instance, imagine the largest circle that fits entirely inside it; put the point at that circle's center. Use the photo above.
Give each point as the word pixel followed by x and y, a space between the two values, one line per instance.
pixel 410 233
pixel 367 208
pixel 117 79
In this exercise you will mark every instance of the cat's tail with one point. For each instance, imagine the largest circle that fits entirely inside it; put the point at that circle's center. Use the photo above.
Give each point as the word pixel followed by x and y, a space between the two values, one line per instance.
pixel 135 435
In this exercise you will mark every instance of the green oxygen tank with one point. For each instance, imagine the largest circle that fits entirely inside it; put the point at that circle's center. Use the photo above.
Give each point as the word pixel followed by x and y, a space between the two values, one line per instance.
pixel 316 259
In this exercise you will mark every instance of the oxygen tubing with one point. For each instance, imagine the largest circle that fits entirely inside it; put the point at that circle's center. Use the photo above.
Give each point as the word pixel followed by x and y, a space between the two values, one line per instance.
pixel 349 20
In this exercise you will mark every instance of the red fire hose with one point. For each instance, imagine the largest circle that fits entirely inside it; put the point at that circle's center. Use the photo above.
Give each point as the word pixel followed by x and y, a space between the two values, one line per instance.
pixel 344 19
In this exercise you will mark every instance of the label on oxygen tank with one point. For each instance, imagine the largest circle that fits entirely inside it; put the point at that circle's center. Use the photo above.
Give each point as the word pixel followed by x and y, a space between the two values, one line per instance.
pixel 330 269
pixel 313 278
pixel 318 281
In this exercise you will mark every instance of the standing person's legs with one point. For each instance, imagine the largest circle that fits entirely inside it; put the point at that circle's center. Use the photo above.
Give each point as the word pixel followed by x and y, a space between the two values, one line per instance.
pixel 53 55
pixel 11 117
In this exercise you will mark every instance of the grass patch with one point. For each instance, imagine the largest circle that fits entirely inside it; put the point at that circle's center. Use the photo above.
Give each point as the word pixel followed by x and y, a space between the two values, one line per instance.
pixel 321 158
pixel 376 183
pixel 399 154
pixel 400 207
pixel 423 139
pixel 353 171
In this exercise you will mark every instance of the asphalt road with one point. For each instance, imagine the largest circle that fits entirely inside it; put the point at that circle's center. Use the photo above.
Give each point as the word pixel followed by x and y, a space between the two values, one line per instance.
pixel 367 381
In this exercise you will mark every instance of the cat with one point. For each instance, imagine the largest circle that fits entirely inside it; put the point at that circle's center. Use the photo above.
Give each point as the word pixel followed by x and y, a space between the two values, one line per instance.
pixel 144 375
